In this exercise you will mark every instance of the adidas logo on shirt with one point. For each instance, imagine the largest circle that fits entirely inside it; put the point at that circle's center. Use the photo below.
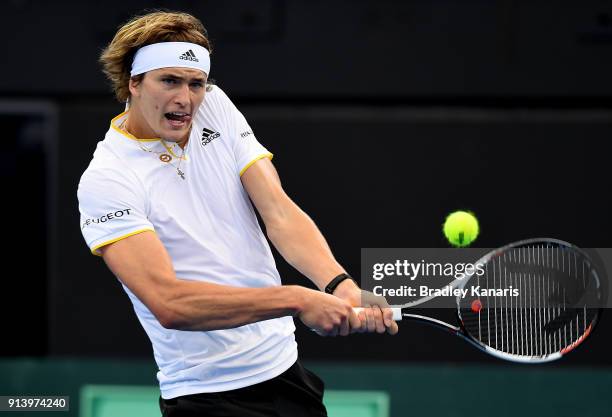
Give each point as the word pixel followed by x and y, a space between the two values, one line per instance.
pixel 189 56
pixel 208 136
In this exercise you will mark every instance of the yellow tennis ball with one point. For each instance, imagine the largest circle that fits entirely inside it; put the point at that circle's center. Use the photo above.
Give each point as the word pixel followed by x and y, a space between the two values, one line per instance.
pixel 461 228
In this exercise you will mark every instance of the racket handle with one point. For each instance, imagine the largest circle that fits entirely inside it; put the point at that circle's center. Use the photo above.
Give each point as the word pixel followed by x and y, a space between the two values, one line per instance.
pixel 397 312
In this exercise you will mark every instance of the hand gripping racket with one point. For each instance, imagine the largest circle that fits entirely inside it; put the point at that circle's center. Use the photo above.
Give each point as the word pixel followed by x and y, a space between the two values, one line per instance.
pixel 560 298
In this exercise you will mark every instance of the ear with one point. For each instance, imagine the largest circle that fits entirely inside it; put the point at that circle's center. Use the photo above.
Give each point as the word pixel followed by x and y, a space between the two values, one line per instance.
pixel 134 86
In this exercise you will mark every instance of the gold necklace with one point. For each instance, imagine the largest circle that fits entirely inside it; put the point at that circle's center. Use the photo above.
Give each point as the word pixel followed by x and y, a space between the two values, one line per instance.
pixel 163 156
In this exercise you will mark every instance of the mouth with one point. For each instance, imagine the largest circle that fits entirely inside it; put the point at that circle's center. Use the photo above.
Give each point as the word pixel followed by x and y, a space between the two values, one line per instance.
pixel 177 119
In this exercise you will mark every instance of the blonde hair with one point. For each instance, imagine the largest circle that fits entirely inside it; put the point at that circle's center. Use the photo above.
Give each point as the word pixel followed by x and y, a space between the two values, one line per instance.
pixel 142 30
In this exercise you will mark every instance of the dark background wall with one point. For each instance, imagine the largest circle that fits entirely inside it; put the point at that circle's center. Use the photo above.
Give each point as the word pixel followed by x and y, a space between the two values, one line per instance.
pixel 383 117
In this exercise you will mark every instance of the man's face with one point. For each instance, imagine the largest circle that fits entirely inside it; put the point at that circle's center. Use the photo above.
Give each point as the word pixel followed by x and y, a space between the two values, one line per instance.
pixel 164 102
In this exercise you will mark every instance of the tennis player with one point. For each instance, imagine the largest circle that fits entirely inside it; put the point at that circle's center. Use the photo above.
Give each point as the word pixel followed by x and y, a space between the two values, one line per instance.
pixel 166 201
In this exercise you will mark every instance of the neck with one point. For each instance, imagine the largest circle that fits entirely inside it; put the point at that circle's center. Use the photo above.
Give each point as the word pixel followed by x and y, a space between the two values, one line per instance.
pixel 136 126
pixel 183 142
pixel 138 133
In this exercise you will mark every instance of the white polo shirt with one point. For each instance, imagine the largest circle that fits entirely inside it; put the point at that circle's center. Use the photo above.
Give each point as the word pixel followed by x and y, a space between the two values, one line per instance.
pixel 208 226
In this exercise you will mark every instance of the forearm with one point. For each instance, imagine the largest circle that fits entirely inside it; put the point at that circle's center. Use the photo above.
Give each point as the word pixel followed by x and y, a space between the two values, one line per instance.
pixel 193 305
pixel 142 264
pixel 300 242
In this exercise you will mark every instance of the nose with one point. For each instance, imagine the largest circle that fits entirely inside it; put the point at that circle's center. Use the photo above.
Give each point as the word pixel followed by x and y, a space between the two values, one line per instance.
pixel 182 95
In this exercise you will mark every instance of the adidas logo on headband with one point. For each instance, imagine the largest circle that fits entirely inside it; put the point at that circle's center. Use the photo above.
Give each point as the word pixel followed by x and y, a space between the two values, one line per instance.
pixel 189 56
pixel 171 54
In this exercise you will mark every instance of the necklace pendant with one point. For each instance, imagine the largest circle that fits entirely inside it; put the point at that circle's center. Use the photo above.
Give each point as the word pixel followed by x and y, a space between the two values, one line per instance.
pixel 180 173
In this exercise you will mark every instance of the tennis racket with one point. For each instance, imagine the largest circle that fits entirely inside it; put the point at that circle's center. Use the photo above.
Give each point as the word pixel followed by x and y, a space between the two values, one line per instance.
pixel 560 299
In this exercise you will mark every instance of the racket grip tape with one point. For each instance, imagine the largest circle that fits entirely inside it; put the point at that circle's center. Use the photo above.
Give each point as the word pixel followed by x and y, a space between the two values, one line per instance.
pixel 397 312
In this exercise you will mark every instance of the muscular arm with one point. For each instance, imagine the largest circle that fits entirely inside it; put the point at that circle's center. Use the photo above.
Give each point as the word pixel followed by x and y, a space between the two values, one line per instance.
pixel 300 242
pixel 143 265
pixel 290 229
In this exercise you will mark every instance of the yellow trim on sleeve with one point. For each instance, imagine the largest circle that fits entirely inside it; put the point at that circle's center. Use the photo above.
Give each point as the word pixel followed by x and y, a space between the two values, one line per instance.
pixel 266 155
pixel 94 250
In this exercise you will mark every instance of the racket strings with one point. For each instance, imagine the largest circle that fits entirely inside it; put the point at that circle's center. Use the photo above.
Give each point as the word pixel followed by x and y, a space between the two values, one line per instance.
pixel 537 305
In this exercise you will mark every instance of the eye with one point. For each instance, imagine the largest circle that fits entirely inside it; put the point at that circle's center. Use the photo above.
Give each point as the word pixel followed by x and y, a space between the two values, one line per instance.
pixel 197 84
pixel 169 80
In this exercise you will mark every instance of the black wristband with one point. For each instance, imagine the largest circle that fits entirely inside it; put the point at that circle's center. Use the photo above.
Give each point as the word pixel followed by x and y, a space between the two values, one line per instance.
pixel 331 287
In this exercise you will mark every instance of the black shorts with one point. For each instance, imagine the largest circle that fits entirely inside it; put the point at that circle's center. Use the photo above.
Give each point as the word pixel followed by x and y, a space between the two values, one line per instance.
pixel 294 393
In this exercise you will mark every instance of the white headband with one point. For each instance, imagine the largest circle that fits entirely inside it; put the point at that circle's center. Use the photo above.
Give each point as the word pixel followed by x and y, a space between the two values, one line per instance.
pixel 171 54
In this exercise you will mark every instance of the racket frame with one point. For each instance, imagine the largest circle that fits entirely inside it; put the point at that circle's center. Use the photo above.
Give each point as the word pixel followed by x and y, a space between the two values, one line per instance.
pixel 399 314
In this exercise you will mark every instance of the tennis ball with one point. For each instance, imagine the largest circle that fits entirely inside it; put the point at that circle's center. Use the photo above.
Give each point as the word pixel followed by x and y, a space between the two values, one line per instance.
pixel 461 228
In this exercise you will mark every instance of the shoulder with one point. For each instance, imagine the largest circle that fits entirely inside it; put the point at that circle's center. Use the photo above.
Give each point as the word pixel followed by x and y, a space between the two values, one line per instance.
pixel 107 173
pixel 216 100
pixel 216 92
